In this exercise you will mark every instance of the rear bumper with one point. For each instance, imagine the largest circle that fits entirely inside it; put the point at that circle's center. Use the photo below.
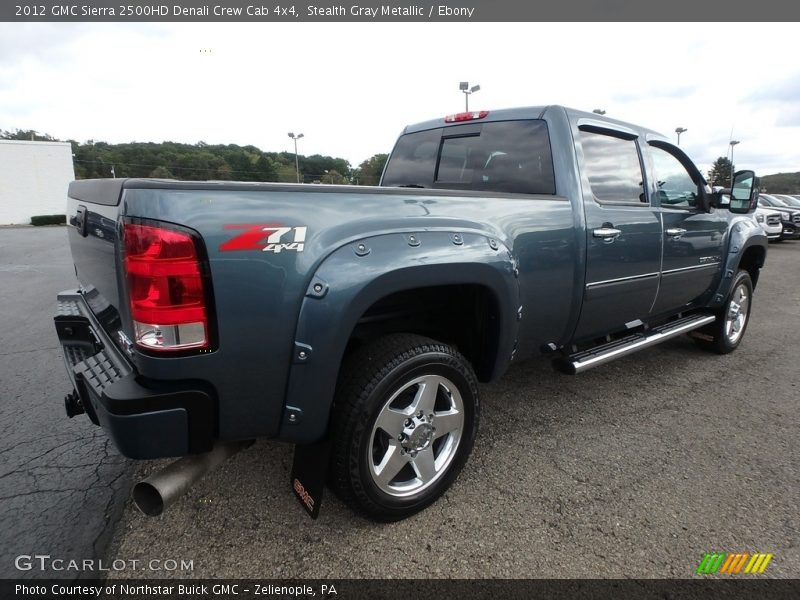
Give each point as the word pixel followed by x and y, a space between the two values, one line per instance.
pixel 144 418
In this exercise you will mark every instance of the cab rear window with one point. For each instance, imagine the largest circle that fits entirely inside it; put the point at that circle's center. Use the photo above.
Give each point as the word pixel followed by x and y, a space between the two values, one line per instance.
pixel 504 156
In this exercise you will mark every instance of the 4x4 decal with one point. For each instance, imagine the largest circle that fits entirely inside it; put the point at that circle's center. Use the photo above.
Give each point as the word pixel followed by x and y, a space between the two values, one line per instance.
pixel 268 237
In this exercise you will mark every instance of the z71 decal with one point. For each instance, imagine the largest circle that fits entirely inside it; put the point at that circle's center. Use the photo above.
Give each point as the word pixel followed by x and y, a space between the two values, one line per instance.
pixel 267 238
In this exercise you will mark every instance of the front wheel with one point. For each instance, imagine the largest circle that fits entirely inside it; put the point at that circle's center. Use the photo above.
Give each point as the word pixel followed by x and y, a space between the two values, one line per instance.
pixel 405 420
pixel 725 334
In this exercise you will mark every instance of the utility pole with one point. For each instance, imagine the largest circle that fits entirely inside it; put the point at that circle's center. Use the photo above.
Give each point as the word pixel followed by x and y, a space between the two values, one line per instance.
pixel 464 87
pixel 296 163
pixel 732 143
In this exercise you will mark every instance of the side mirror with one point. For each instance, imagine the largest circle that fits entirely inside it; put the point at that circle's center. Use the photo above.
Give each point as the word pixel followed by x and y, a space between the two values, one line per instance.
pixel 720 199
pixel 744 192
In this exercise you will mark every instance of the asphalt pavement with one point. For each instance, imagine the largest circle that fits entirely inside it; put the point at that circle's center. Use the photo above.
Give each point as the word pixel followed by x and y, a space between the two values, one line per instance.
pixel 635 469
pixel 61 482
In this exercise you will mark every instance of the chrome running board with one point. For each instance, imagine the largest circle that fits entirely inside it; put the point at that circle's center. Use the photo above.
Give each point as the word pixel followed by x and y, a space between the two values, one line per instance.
pixel 582 361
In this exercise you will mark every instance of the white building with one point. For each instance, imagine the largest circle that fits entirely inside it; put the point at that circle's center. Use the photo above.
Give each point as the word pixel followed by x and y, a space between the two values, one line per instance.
pixel 34 177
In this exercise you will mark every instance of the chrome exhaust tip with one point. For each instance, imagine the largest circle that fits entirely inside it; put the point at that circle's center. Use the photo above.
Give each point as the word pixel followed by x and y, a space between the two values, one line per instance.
pixel 164 487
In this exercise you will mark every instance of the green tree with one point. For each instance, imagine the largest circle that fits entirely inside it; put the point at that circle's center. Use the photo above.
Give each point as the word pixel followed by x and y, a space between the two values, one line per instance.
pixel 26 134
pixel 161 173
pixel 370 171
pixel 333 176
pixel 315 166
pixel 287 174
pixel 94 159
pixel 720 173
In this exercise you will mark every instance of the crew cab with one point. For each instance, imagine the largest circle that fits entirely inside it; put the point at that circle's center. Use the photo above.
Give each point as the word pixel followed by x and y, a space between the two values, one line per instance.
pixel 356 322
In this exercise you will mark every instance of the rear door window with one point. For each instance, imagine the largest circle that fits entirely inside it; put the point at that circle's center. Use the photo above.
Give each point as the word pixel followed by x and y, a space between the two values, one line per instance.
pixel 504 156
pixel 613 167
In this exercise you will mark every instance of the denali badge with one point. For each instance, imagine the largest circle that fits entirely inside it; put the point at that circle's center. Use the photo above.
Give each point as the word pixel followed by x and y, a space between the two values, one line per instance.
pixel 266 237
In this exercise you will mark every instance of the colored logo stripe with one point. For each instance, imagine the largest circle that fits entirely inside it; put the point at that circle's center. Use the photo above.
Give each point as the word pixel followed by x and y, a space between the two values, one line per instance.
pixel 758 563
pixel 733 563
pixel 711 563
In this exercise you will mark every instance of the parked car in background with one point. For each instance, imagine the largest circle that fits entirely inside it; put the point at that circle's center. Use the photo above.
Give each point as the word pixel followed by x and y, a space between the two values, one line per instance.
pixel 767 218
pixel 790 217
pixel 790 201
pixel 770 221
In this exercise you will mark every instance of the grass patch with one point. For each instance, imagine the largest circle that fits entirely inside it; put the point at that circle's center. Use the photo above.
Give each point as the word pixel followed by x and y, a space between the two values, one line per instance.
pixel 49 220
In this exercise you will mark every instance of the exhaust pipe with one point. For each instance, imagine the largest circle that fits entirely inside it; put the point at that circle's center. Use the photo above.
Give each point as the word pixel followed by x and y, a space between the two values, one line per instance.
pixel 161 489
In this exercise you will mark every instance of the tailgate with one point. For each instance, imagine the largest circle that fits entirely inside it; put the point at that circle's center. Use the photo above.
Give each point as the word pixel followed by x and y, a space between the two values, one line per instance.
pixel 92 212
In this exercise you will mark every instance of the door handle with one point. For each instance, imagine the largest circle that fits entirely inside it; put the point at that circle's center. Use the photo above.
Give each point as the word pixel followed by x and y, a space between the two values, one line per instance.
pixel 675 231
pixel 606 232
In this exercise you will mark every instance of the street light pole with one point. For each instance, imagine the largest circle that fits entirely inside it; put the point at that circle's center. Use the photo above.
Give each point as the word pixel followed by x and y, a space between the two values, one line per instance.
pixel 679 131
pixel 296 162
pixel 732 143
pixel 464 87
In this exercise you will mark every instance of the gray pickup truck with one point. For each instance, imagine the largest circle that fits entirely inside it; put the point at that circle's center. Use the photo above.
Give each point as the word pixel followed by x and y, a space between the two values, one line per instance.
pixel 355 322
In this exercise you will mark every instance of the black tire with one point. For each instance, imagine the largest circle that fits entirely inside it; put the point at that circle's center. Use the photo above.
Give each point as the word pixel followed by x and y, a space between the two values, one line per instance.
pixel 721 336
pixel 375 382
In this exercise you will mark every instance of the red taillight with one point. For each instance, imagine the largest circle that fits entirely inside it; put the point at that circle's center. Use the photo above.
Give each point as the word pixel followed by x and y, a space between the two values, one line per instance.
pixel 165 285
pixel 466 116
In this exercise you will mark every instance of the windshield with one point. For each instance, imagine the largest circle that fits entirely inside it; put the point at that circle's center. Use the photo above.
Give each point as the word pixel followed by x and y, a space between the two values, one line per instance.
pixel 793 202
pixel 773 201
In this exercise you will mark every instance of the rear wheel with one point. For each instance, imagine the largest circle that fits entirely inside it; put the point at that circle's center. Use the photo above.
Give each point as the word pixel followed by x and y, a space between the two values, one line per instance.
pixel 725 334
pixel 405 420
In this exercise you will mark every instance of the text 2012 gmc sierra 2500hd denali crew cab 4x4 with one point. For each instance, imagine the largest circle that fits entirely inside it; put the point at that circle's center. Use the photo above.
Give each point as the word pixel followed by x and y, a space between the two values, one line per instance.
pixel 355 322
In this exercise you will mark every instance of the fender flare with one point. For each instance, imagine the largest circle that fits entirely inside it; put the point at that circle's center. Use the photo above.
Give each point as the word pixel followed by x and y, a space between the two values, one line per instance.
pixel 745 234
pixel 357 275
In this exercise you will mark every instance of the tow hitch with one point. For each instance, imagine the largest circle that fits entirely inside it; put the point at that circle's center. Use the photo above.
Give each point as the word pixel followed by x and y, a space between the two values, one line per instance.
pixel 73 404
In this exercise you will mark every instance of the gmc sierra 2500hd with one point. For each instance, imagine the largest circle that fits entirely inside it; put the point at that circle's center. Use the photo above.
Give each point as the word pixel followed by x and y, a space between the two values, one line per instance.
pixel 355 322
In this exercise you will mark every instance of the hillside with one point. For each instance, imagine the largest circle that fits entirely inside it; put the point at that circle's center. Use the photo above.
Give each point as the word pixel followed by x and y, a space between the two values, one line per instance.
pixel 781 183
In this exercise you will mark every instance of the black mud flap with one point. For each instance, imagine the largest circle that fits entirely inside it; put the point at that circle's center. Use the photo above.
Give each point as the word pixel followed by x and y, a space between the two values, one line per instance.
pixel 309 472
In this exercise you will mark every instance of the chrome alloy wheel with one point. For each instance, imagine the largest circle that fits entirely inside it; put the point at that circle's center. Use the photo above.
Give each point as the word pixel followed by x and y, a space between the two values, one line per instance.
pixel 736 315
pixel 416 435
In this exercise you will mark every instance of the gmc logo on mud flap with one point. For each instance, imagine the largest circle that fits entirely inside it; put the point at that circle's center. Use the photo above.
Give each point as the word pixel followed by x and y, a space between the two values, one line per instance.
pixel 303 494
pixel 266 237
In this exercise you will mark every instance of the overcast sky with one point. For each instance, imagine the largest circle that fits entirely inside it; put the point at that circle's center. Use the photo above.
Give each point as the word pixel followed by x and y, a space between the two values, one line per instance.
pixel 351 88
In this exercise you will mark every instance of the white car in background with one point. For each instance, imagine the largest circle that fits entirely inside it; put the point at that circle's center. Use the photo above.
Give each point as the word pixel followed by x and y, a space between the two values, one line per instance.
pixel 770 221
pixel 790 216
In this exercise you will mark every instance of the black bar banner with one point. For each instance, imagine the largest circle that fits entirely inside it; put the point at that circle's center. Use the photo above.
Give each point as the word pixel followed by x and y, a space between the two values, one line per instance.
pixel 292 11
pixel 399 589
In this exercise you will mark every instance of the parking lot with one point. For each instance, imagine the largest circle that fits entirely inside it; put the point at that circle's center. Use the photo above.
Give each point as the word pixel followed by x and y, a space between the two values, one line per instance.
pixel 635 469
pixel 61 481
